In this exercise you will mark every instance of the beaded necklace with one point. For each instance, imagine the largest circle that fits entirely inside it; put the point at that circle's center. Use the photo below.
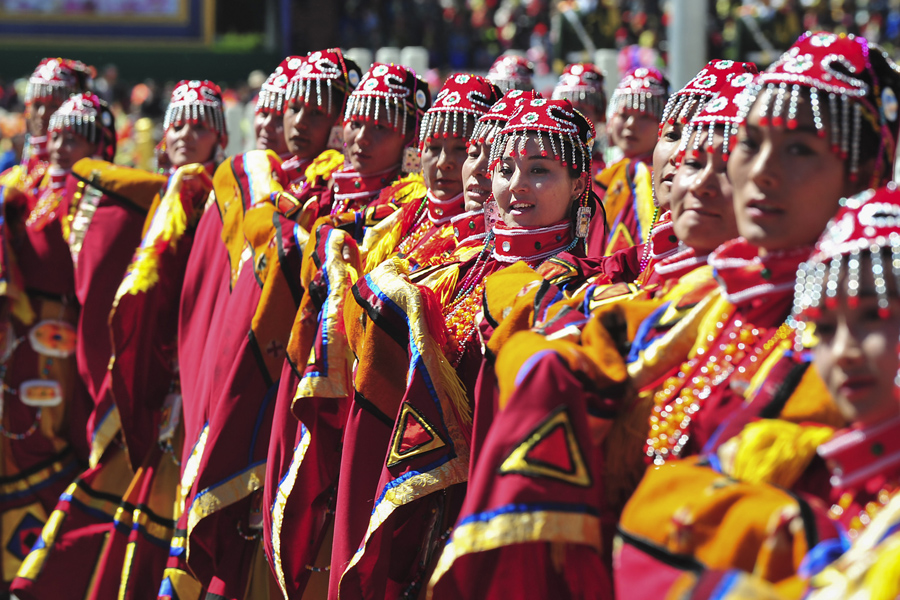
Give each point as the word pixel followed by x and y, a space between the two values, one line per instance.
pixel 459 314
pixel 421 225
pixel 44 210
pixel 683 394
pixel 645 258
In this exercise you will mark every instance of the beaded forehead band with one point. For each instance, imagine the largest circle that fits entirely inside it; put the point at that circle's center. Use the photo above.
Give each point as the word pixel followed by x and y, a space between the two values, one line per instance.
pixel 868 223
pixel 272 93
pixel 715 76
pixel 511 72
pixel 323 72
pixel 555 120
pixel 88 116
pixel 581 82
pixel 58 78
pixel 724 110
pixel 835 69
pixel 643 89
pixel 392 89
pixel 489 125
pixel 459 104
pixel 197 102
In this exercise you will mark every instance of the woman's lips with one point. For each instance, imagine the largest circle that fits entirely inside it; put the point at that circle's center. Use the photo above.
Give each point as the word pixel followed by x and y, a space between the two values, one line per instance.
pixel 475 191
pixel 857 387
pixel 701 211
pixel 444 182
pixel 762 209
pixel 518 208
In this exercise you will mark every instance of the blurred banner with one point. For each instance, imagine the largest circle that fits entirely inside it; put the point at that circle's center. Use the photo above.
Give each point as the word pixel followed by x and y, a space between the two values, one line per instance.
pixel 108 21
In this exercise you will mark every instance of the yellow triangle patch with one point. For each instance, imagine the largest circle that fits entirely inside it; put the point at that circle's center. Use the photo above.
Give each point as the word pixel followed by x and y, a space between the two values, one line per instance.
pixel 413 436
pixel 619 240
pixel 551 450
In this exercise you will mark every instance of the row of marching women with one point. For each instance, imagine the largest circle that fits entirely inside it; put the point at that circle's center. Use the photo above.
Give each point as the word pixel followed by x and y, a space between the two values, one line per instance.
pixel 418 347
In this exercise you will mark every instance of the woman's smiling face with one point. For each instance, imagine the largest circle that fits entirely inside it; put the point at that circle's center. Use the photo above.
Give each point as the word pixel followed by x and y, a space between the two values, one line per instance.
pixel 532 190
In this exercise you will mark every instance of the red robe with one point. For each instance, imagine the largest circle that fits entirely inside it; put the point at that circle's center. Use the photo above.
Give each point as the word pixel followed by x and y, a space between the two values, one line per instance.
pixel 300 491
pixel 224 459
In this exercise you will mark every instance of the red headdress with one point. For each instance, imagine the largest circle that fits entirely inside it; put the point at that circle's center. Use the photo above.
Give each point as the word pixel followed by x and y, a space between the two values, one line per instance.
pixel 321 73
pixel 491 122
pixel 856 80
pixel 272 93
pixel 197 101
pixel 644 89
pixel 394 89
pixel 58 78
pixel 511 72
pixel 461 101
pixel 581 82
pixel 714 77
pixel 867 223
pixel 722 108
pixel 88 116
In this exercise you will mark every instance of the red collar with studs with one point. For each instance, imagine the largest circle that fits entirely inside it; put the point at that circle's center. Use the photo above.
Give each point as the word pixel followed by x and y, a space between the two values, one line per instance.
pixel 441 212
pixel 745 276
pixel 512 244
pixel 468 226
pixel 354 189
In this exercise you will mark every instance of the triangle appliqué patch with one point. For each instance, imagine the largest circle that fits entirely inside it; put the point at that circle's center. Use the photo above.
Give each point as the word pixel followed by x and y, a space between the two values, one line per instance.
pixel 413 436
pixel 550 450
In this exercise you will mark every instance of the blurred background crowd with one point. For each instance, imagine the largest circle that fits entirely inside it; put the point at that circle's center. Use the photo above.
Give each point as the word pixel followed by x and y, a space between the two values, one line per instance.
pixel 240 48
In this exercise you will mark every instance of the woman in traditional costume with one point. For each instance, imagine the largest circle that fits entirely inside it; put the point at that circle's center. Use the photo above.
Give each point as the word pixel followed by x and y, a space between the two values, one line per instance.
pixel 420 233
pixel 315 98
pixel 790 491
pixel 268 121
pixel 632 117
pixel 541 184
pixel 46 404
pixel 226 459
pixel 493 535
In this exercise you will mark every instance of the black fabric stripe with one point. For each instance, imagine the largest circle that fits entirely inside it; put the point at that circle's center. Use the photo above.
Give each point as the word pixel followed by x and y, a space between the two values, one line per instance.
pixel 400 336
pixel 810 529
pixel 773 409
pixel 682 562
pixel 372 409
pixel 127 203
pixel 62 454
pixel 84 487
pixel 260 361
pixel 292 279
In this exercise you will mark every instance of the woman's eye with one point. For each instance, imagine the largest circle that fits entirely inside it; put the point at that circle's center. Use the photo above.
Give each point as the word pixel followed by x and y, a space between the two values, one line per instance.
pixel 538 170
pixel 693 164
pixel 799 149
pixel 672 135
pixel 825 330
pixel 747 143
